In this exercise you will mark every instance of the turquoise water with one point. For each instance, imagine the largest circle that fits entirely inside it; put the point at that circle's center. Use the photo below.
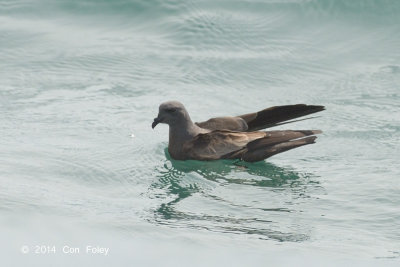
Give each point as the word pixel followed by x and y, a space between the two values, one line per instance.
pixel 81 81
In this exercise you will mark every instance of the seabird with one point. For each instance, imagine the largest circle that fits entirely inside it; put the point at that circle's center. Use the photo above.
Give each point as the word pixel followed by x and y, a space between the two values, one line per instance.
pixel 234 137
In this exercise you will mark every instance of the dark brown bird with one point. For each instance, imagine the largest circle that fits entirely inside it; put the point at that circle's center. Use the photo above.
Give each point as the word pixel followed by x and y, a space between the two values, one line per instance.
pixel 234 137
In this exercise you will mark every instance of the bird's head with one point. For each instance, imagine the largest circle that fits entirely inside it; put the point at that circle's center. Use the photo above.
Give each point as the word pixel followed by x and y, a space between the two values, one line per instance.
pixel 171 113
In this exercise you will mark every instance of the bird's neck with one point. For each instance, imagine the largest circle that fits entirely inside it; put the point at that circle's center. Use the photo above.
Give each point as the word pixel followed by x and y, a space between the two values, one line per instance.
pixel 183 131
pixel 180 133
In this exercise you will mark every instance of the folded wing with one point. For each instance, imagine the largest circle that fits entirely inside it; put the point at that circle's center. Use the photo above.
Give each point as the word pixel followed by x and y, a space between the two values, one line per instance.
pixel 249 146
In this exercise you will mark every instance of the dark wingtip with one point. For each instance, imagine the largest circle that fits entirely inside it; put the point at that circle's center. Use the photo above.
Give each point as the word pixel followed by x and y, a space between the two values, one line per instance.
pixel 318 107
pixel 279 115
pixel 312 108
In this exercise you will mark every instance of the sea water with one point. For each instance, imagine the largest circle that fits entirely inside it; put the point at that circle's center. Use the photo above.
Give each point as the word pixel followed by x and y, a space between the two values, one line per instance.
pixel 80 166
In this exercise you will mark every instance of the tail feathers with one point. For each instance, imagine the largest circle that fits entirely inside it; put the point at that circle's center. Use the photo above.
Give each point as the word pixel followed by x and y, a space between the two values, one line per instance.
pixel 276 115
pixel 261 153
pixel 277 137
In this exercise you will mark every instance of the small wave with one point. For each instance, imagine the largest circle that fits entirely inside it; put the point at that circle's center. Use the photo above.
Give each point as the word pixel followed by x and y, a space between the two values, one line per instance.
pixel 183 185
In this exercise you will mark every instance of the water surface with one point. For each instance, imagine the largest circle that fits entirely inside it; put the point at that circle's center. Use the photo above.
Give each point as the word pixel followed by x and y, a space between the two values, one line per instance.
pixel 78 78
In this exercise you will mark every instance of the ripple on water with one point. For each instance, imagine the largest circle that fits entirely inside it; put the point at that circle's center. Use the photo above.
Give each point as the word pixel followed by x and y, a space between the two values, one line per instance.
pixel 240 199
pixel 78 77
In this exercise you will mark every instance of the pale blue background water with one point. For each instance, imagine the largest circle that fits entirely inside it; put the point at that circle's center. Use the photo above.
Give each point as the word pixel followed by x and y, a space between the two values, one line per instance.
pixel 78 78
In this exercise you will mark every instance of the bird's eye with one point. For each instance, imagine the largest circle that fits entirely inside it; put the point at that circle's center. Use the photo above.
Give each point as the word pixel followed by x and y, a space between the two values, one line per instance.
pixel 170 110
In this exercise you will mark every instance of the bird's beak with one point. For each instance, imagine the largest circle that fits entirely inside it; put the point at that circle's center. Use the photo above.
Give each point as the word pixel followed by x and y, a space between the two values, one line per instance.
pixel 156 121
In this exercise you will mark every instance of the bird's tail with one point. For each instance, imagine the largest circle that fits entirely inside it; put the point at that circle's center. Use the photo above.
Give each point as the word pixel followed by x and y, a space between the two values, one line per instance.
pixel 278 115
pixel 279 142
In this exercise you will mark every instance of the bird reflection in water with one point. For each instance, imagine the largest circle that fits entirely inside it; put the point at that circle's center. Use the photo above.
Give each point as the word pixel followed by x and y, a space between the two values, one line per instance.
pixel 179 180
